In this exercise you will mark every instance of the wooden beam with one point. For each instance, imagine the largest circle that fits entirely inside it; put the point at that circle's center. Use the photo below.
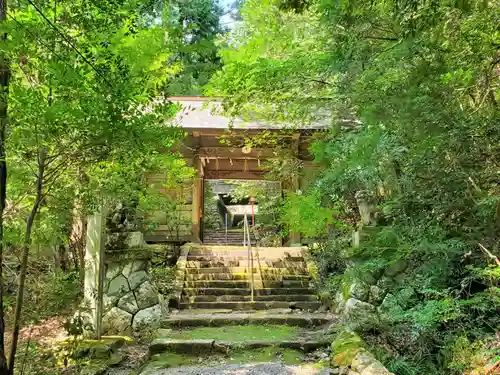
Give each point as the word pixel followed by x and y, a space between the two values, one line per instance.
pixel 234 175
pixel 235 152
pixel 238 165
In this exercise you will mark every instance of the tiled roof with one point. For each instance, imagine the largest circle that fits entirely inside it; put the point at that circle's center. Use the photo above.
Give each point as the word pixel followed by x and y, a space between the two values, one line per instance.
pixel 202 112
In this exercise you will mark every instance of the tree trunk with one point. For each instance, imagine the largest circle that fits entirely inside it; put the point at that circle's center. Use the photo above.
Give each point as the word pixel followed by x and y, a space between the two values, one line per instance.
pixel 79 230
pixel 4 93
pixel 24 259
pixel 63 258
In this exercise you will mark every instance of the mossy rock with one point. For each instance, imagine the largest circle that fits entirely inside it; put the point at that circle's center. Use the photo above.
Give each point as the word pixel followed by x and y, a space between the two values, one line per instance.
pixel 345 347
pixel 95 368
pixel 326 298
pixel 114 359
pixel 100 351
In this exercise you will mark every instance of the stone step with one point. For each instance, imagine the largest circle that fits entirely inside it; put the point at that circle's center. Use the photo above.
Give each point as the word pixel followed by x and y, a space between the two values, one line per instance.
pixel 295 283
pixel 207 346
pixel 216 284
pixel 245 291
pixel 230 238
pixel 222 236
pixel 242 276
pixel 238 263
pixel 236 319
pixel 212 264
pixel 222 232
pixel 306 305
pixel 237 298
pixel 283 251
pixel 235 243
pixel 217 276
pixel 239 270
pixel 217 291
pixel 259 283
pixel 209 319
pixel 230 257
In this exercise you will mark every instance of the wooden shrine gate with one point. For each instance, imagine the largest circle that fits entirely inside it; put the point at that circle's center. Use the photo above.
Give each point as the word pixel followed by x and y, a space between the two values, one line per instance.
pixel 219 151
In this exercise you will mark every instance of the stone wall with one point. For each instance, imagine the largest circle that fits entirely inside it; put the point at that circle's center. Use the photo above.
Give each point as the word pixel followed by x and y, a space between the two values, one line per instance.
pixel 130 300
pixel 350 357
pixel 359 300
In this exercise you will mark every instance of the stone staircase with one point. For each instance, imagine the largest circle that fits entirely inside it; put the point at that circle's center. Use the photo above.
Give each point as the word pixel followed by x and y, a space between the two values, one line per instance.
pixel 219 277
pixel 218 237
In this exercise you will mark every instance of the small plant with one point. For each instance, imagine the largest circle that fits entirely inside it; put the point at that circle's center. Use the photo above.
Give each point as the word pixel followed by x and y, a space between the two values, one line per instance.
pixel 163 279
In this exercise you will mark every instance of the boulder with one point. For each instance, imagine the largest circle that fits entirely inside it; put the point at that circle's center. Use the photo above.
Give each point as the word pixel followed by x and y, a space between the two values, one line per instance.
pixel 359 290
pixel 116 321
pixel 137 278
pixel 128 303
pixel 385 284
pixel 360 316
pixel 371 277
pixel 362 360
pixel 100 351
pixel 146 296
pixel 366 364
pixel 118 286
pixel 377 295
pixel 151 315
pixel 376 368
pixel 396 268
pixel 338 303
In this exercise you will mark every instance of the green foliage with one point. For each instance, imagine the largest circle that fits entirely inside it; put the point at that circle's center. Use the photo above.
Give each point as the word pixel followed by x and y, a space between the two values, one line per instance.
pixel 194 26
pixel 304 214
pixel 49 292
pixel 410 90
pixel 163 279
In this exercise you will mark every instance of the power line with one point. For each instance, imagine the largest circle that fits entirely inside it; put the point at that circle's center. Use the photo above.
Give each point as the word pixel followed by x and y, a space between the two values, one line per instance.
pixel 45 44
pixel 69 42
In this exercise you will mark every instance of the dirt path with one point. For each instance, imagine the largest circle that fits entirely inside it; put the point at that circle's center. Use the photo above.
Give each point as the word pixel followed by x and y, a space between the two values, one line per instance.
pixel 254 369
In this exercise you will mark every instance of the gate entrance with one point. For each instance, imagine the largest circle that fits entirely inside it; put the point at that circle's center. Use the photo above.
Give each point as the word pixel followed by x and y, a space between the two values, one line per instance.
pixel 226 202
pixel 223 149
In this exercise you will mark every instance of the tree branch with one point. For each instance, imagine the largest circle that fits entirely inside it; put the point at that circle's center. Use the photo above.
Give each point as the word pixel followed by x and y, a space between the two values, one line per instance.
pixel 489 254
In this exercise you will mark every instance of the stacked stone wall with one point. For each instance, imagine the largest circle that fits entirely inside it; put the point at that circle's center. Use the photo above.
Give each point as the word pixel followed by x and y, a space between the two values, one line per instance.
pixel 130 300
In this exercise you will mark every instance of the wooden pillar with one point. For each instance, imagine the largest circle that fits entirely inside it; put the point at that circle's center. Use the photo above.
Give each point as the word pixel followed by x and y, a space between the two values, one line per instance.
pixel 197 212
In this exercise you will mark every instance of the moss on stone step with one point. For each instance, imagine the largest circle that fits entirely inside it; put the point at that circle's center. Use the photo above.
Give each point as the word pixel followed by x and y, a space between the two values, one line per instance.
pixel 286 356
pixel 170 360
pixel 239 333
pixel 259 305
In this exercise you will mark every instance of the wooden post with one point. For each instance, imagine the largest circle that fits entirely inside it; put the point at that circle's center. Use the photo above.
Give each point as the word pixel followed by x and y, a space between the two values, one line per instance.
pixel 197 212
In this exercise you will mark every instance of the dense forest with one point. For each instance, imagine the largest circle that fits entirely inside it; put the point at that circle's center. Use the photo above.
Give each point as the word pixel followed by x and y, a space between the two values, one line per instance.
pixel 408 94
pixel 411 91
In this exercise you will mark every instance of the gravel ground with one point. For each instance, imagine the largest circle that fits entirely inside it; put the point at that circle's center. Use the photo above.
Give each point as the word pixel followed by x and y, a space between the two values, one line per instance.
pixel 257 369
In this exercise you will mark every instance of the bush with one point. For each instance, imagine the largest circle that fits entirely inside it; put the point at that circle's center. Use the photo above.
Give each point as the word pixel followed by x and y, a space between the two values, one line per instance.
pixel 50 293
